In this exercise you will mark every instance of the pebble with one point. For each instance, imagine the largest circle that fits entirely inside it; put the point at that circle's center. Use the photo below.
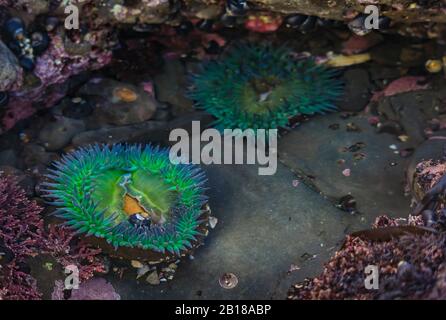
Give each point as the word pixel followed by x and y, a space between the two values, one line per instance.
pixel 136 264
pixel 213 222
pixel 153 278
pixel 57 134
pixel 142 271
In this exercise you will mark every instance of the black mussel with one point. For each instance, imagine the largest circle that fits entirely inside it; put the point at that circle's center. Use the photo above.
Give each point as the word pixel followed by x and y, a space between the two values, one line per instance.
pixel 54 5
pixel 358 26
pixel 15 28
pixel 4 98
pixel 51 23
pixel 294 21
pixel 185 28
pixel 205 25
pixel 325 22
pixel 301 22
pixel 40 41
pixel 309 24
pixel 228 20
pixel 384 22
pixel 27 63
pixel 236 7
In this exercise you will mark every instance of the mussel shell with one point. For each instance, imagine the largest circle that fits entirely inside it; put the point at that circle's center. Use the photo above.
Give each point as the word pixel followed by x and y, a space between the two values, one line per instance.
pixel 295 20
pixel 384 22
pixel 51 23
pixel 15 28
pixel 309 24
pixel 236 7
pixel 40 41
pixel 357 25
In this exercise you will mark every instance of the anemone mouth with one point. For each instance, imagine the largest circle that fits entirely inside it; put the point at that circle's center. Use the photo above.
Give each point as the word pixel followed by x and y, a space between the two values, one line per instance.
pixel 129 195
pixel 259 86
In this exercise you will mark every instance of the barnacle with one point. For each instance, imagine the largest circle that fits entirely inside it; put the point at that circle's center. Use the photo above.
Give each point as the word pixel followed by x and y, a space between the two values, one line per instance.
pixel 130 195
pixel 262 87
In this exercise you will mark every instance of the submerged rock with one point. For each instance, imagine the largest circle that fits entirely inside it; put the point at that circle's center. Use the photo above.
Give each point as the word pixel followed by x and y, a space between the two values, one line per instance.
pixel 10 71
pixel 120 103
pixel 58 134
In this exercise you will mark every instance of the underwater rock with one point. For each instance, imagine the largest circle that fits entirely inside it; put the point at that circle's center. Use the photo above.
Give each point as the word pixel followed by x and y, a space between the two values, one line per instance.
pixel 58 133
pixel 49 78
pixel 367 155
pixel 141 132
pixel 170 87
pixel 119 103
pixel 11 74
pixel 357 90
pixel 34 154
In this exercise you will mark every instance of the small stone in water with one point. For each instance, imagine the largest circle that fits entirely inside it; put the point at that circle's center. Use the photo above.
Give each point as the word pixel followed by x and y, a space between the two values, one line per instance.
pixel 153 278
pixel 213 222
pixel 137 264
pixel 142 271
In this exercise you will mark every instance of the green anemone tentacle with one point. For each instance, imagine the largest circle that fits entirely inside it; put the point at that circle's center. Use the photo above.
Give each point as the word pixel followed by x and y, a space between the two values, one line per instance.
pixel 262 87
pixel 90 186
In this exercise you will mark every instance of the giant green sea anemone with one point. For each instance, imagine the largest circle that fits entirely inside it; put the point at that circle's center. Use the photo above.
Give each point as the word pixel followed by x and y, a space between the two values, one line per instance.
pixel 262 87
pixel 131 196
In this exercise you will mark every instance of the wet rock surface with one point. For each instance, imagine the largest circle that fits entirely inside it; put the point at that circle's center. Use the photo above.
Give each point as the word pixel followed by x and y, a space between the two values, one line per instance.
pixel 11 72
pixel 359 163
pixel 171 85
pixel 357 90
pixel 57 134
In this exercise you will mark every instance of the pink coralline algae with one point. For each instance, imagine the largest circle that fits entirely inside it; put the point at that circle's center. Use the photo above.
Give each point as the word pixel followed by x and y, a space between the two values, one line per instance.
pixel 61 243
pixel 411 266
pixel 54 67
pixel 23 236
pixel 21 231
